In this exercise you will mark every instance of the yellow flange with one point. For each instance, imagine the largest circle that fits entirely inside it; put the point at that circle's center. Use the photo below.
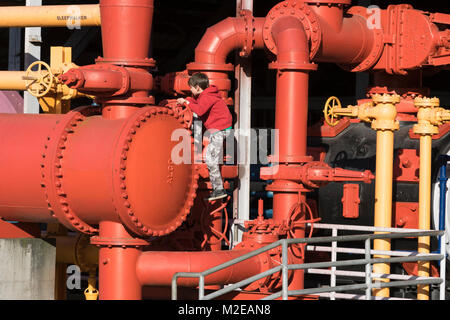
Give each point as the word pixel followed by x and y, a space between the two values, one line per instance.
pixel 384 113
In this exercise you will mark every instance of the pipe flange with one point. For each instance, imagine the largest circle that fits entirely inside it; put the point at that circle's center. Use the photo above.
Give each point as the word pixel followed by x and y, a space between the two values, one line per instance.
pixel 423 102
pixel 123 205
pixel 250 29
pixel 386 98
pixel 293 66
pixel 287 186
pixel 52 170
pixel 301 11
pixel 291 159
pixel 377 47
pixel 209 67
pixel 330 2
pixel 146 62
pixel 118 242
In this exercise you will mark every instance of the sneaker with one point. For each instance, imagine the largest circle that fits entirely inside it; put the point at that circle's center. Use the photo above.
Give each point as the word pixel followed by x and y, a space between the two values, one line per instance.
pixel 217 194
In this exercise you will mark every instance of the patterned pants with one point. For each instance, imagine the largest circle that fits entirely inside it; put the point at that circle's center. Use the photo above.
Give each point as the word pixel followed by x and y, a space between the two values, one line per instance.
pixel 214 157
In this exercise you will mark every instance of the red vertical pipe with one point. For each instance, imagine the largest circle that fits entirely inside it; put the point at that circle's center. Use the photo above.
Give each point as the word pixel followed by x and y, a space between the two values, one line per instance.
pixel 291 112
pixel 25 139
pixel 126 34
pixel 291 116
pixel 117 266
pixel 126 29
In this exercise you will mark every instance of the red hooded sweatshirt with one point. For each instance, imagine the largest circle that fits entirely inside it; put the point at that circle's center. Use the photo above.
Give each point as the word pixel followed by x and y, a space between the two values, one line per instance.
pixel 211 109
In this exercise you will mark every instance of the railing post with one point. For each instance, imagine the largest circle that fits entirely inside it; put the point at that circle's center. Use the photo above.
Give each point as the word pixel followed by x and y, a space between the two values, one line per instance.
pixel 174 287
pixel 333 259
pixel 201 287
pixel 284 263
pixel 368 270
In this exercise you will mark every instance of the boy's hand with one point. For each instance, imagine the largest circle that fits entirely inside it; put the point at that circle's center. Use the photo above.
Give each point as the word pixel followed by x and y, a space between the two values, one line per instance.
pixel 182 101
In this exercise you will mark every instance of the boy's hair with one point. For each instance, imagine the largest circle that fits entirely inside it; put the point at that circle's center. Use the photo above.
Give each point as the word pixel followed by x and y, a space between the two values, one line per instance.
pixel 199 79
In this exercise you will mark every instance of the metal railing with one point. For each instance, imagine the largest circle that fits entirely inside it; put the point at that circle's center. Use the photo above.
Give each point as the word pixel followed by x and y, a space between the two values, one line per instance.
pixel 334 291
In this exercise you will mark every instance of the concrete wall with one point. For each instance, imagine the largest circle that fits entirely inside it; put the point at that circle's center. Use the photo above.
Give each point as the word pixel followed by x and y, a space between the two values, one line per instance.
pixel 27 269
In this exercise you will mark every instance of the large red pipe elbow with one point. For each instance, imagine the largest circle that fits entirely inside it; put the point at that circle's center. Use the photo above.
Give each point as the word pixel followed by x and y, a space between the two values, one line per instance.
pixel 150 273
pixel 226 36
pixel 243 33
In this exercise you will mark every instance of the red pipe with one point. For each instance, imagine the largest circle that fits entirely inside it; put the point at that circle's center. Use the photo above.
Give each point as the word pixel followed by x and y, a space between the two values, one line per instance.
pixel 243 33
pixel 120 77
pixel 117 265
pixel 291 111
pixel 81 169
pixel 291 114
pixel 126 31
pixel 156 268
pixel 226 36
pixel 344 40
pixel 112 82
pixel 349 45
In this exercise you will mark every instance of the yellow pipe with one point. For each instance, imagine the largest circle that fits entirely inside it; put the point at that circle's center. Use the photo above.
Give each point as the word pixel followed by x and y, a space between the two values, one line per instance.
pixel 383 201
pixel 71 16
pixel 429 117
pixel 12 80
pixel 381 114
pixel 424 211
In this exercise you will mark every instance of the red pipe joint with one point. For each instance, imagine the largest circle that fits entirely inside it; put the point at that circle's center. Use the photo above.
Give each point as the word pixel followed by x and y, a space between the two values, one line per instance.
pixel 107 79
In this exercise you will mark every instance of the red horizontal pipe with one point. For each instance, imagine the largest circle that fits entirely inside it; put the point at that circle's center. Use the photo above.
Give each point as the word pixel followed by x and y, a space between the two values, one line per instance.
pixel 98 79
pixel 224 37
pixel 81 170
pixel 350 44
pixel 23 139
pixel 156 268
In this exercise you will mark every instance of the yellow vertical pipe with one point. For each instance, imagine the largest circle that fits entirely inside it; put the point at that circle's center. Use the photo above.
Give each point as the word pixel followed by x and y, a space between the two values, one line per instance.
pixel 424 211
pixel 383 118
pixel 383 200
